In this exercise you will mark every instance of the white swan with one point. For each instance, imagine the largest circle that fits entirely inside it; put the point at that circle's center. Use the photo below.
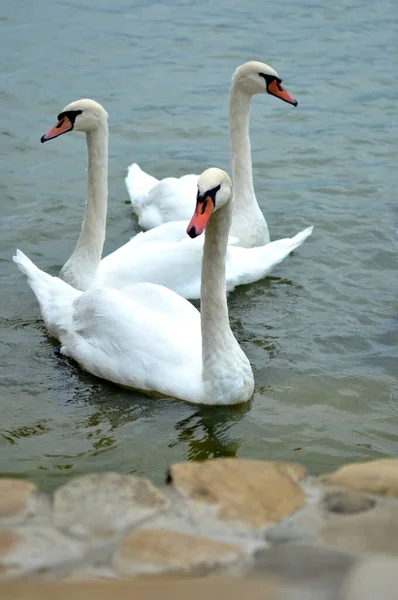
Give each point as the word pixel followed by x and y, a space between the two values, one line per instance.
pixel 162 255
pixel 156 341
pixel 156 202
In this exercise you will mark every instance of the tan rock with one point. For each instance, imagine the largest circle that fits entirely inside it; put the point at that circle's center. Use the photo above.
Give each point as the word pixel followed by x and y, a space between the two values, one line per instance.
pixel 211 589
pixel 104 504
pixel 27 549
pixel 377 477
pixel 159 550
pixel 254 492
pixel 372 531
pixel 17 498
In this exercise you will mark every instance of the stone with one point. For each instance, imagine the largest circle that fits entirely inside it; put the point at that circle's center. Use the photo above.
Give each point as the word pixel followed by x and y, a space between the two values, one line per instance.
pixel 26 550
pixel 211 589
pixel 18 498
pixel 254 492
pixel 373 577
pixel 370 532
pixel 377 477
pixel 347 502
pixel 304 564
pixel 160 550
pixel 105 504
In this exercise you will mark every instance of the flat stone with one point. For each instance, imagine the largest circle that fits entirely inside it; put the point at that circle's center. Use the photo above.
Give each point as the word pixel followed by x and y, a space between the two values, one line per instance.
pixel 377 477
pixel 373 577
pixel 104 504
pixel 370 532
pixel 18 498
pixel 254 492
pixel 347 502
pixel 160 550
pixel 26 550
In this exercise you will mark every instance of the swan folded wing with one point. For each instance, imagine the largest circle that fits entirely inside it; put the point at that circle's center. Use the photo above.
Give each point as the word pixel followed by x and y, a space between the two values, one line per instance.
pixel 169 200
pixel 138 183
pixel 175 265
pixel 146 342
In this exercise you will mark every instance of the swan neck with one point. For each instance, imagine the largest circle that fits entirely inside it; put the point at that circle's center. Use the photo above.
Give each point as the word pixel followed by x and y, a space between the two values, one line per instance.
pixel 248 223
pixel 217 338
pixel 87 253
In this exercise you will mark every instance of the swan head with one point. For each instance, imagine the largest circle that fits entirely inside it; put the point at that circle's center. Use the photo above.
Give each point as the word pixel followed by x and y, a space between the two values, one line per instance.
pixel 214 190
pixel 258 78
pixel 82 115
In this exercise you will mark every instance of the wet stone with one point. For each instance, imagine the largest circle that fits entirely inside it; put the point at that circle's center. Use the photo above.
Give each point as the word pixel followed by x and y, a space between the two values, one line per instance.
pixel 18 499
pixel 104 504
pixel 368 532
pixel 27 550
pixel 160 550
pixel 376 477
pixel 254 492
pixel 347 502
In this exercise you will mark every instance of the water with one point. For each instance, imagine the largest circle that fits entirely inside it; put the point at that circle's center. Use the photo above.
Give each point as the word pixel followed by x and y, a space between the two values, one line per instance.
pixel 321 333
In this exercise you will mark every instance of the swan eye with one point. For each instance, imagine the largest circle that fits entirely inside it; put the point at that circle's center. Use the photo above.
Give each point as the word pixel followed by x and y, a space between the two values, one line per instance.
pixel 70 114
pixel 269 78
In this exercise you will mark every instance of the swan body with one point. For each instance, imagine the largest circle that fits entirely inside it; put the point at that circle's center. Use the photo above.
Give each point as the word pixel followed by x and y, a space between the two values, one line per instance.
pixel 153 339
pixel 161 255
pixel 156 202
pixel 176 264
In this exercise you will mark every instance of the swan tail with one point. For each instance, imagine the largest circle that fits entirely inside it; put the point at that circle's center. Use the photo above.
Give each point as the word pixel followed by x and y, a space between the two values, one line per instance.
pixel 261 259
pixel 275 252
pixel 138 185
pixel 55 297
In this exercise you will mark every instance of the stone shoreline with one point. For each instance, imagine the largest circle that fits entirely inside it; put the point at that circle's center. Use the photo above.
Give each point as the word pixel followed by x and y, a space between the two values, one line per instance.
pixel 244 527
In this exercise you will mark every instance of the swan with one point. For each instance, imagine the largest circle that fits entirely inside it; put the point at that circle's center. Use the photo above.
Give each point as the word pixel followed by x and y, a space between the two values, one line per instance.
pixel 156 202
pixel 161 255
pixel 155 340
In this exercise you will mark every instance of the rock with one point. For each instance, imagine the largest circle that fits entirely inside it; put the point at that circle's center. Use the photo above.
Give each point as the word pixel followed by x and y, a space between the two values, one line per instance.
pixel 160 550
pixel 18 498
pixel 104 504
pixel 254 492
pixel 373 531
pixel 347 502
pixel 304 564
pixel 374 577
pixel 26 550
pixel 377 477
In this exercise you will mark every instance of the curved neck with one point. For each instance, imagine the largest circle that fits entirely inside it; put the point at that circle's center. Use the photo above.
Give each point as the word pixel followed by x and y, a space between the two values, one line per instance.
pixel 220 350
pixel 248 223
pixel 80 270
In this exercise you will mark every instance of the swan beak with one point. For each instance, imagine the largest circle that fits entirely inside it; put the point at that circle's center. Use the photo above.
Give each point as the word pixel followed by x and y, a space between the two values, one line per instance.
pixel 63 126
pixel 201 216
pixel 275 88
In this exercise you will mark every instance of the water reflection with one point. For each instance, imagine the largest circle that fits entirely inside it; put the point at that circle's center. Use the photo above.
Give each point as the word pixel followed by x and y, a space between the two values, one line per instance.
pixel 206 432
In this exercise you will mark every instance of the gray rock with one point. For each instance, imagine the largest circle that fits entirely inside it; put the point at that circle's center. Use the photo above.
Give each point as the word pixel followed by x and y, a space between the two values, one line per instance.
pixel 303 564
pixel 347 502
pixel 373 578
pixel 373 531
pixel 26 550
pixel 105 504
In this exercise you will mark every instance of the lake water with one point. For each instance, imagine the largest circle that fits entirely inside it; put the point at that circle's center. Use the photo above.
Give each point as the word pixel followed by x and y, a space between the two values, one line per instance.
pixel 321 333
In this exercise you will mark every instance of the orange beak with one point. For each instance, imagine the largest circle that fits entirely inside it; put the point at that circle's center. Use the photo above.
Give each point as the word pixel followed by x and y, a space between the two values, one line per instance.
pixel 63 126
pixel 201 216
pixel 276 89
